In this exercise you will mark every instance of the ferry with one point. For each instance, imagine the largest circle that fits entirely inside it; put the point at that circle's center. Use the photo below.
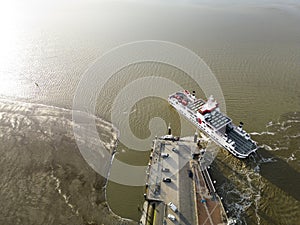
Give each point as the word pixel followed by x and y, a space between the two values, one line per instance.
pixel 208 118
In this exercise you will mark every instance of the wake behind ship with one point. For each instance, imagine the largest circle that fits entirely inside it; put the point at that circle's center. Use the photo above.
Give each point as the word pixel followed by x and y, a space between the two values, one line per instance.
pixel 207 117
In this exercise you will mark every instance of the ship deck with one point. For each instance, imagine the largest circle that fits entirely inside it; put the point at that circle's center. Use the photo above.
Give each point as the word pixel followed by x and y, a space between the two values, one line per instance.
pixel 195 106
pixel 242 145
pixel 218 120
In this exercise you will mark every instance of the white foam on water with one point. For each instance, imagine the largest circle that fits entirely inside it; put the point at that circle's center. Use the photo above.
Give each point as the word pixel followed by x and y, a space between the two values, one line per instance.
pixel 263 160
pixel 293 121
pixel 263 133
pixel 257 169
pixel 269 124
pixel 256 200
pixel 250 195
pixel 59 190
pixel 295 136
pixel 293 157
pixel 283 128
pixel 267 147
pixel 17 115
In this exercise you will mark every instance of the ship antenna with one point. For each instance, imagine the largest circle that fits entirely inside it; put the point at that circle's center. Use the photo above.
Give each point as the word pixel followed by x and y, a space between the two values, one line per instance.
pixel 169 129
pixel 195 136
pixel 193 95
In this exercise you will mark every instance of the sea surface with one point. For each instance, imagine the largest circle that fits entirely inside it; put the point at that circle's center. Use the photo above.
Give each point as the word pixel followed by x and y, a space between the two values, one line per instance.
pixel 253 49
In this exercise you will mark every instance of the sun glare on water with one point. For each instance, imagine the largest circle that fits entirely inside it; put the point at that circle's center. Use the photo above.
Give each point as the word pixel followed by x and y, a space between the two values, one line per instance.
pixel 11 49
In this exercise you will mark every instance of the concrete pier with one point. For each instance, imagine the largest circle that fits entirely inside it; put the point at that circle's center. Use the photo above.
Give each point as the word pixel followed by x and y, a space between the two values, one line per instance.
pixel 175 175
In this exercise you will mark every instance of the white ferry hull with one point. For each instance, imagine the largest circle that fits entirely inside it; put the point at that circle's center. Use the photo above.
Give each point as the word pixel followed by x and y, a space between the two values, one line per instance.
pixel 219 139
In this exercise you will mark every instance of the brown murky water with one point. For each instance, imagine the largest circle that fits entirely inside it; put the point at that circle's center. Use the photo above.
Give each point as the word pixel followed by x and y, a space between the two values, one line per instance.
pixel 252 48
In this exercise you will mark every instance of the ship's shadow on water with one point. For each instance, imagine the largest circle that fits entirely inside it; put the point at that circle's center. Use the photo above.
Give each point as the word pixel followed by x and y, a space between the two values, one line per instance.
pixel 279 173
pixel 263 163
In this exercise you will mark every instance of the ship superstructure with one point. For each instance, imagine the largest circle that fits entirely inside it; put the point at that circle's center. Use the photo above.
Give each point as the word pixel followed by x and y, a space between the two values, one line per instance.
pixel 208 118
